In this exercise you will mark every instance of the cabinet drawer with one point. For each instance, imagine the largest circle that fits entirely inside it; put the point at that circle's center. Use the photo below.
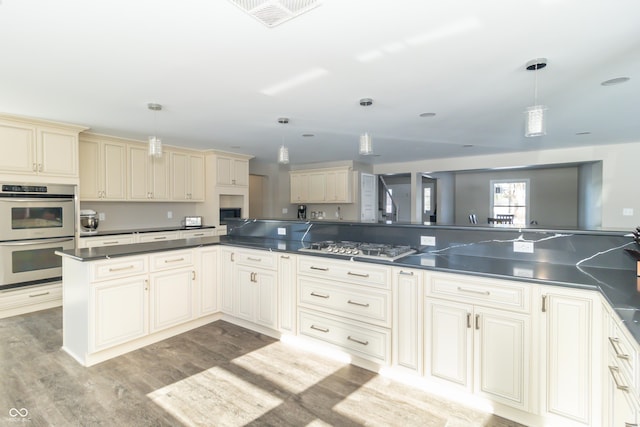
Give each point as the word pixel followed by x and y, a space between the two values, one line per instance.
pixel 94 242
pixel 256 258
pixel 487 292
pixel 173 259
pixel 22 297
pixel 624 354
pixel 365 341
pixel 346 271
pixel 189 234
pixel 157 237
pixel 119 267
pixel 353 301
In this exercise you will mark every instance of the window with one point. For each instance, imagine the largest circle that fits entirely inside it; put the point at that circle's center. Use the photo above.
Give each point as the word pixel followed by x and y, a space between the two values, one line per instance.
pixel 426 199
pixel 511 197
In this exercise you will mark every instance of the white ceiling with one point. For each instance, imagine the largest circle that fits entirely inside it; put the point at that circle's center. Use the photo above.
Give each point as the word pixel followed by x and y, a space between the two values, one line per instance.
pixel 214 70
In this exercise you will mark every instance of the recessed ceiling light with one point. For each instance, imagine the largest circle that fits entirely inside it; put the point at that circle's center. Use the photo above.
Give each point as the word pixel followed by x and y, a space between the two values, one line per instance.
pixel 583 133
pixel 308 135
pixel 427 114
pixel 616 81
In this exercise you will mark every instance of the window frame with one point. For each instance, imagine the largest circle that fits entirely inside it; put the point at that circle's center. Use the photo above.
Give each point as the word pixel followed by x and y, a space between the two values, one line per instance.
pixel 527 205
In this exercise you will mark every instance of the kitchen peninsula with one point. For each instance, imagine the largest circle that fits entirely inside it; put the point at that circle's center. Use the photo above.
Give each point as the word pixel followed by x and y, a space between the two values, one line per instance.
pixel 534 330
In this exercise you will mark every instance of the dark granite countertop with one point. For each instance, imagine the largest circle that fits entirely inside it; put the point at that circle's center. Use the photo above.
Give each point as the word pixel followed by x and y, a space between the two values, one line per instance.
pixel 619 287
pixel 141 230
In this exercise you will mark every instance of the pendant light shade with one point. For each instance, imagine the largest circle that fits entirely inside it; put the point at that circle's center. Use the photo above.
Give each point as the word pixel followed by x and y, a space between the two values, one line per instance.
pixel 283 155
pixel 155 143
pixel 535 116
pixel 366 144
pixel 283 151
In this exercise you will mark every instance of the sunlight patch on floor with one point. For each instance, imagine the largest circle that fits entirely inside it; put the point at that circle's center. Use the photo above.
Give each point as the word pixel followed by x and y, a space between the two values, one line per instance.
pixel 214 396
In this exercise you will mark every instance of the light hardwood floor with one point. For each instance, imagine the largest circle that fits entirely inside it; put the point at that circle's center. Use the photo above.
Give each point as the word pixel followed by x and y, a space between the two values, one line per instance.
pixel 216 375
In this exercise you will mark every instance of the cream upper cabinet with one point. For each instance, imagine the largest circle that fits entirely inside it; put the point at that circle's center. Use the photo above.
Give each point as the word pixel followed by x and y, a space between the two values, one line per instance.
pixel 38 149
pixel 103 165
pixel 187 176
pixel 232 171
pixel 332 185
pixel 148 177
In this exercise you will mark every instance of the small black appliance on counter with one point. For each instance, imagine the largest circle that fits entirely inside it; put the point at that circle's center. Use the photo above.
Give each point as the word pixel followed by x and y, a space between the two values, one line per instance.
pixel 302 211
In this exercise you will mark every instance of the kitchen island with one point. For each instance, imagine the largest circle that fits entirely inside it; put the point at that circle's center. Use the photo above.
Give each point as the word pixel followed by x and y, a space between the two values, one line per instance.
pixel 534 350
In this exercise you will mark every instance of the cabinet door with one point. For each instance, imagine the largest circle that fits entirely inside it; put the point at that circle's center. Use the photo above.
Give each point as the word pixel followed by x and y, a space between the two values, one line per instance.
pixel 227 280
pixel 119 312
pixel 91 171
pixel 18 145
pixel 287 293
pixel 138 173
pixel 266 298
pixel 159 182
pixel 246 287
pixel 449 342
pixel 502 353
pixel 114 170
pixel 240 172
pixel 224 170
pixel 57 152
pixel 208 281
pixel 179 176
pixel 196 178
pixel 407 319
pixel 568 356
pixel 338 183
pixel 317 187
pixel 171 298
pixel 299 188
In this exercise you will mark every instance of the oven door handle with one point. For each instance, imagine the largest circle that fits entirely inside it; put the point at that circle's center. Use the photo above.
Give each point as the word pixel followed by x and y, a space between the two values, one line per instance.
pixel 37 242
pixel 35 199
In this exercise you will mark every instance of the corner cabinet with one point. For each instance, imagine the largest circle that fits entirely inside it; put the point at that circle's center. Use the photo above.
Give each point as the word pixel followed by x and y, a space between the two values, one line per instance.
pixel 38 148
pixel 333 185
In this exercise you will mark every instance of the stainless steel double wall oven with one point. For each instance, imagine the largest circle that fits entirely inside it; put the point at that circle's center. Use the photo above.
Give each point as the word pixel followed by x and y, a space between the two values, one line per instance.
pixel 35 221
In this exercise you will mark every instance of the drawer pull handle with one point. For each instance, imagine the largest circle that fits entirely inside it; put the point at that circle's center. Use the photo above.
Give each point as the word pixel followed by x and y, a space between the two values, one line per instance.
pixel 350 273
pixel 167 261
pixel 314 294
pixel 406 273
pixel 473 291
pixel 39 295
pixel 615 343
pixel 319 268
pixel 477 322
pixel 359 341
pixel 160 238
pixel 198 234
pixel 358 303
pixel 128 267
pixel 319 328
pixel 112 242
pixel 614 374
pixel 285 256
pixel 544 303
pixel 254 259
pixel 468 320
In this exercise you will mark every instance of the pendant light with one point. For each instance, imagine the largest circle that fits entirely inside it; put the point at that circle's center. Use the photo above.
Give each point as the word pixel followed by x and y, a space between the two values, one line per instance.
pixel 155 143
pixel 535 124
pixel 283 151
pixel 366 141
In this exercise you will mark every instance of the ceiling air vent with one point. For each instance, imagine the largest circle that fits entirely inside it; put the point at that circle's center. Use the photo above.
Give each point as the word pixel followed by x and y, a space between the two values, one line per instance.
pixel 275 12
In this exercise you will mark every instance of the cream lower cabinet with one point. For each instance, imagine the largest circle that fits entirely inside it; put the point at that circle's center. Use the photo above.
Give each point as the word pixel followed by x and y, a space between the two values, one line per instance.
pixel 120 311
pixel 227 279
pixel 287 292
pixel 571 356
pixel 256 287
pixel 475 341
pixel 208 301
pixel 408 319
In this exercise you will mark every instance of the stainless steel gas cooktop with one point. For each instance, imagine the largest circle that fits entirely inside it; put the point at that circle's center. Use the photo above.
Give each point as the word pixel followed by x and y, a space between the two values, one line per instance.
pixel 379 251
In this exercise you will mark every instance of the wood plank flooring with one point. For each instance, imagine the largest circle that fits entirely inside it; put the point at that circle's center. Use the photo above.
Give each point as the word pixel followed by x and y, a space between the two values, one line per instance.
pixel 216 375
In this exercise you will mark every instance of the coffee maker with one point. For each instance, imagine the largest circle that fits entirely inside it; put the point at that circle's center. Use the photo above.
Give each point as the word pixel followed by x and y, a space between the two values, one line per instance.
pixel 302 211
